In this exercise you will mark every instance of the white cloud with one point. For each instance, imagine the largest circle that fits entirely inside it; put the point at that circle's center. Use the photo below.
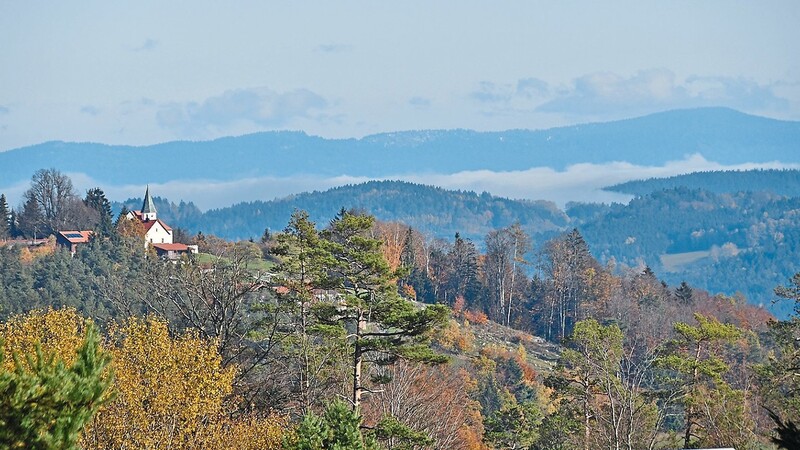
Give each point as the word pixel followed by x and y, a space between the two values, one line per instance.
pixel 260 107
pixel 607 95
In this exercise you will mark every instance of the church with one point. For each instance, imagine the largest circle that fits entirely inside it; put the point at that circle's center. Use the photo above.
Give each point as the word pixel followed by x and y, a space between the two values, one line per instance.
pixel 157 233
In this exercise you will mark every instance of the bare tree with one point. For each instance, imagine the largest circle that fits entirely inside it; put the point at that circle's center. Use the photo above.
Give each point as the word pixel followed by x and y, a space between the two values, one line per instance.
pixel 53 194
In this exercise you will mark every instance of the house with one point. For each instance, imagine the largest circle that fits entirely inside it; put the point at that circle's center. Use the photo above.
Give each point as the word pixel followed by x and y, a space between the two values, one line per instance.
pixel 71 239
pixel 174 251
pixel 155 230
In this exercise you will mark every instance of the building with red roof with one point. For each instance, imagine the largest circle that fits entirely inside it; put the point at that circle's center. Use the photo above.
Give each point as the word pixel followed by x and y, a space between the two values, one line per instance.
pixel 71 239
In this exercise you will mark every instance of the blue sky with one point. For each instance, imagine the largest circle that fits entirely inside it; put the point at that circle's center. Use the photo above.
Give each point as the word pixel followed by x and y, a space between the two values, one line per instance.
pixel 150 71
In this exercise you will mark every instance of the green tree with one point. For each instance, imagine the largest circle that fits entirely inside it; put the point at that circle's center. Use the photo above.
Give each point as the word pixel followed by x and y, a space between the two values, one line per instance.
pixel 96 201
pixel 463 261
pixel 382 326
pixel 5 218
pixel 684 293
pixel 695 356
pixel 303 269
pixel 515 425
pixel 44 403
pixel 31 220
pixel 339 428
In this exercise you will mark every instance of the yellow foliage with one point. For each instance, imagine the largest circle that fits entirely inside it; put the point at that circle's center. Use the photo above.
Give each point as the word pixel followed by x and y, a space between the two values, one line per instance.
pixel 248 433
pixel 60 331
pixel 169 391
pixel 455 336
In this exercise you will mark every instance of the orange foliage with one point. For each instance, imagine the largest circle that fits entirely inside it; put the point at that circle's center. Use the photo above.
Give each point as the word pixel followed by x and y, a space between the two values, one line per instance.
pixel 455 336
pixel 434 400
pixel 458 306
pixel 478 318
pixel 392 234
pixel 409 292
pixel 501 354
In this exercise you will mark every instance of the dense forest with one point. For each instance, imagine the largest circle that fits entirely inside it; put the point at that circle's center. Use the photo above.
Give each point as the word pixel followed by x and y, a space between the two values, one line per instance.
pixel 364 334
pixel 706 238
pixel 785 182
pixel 436 211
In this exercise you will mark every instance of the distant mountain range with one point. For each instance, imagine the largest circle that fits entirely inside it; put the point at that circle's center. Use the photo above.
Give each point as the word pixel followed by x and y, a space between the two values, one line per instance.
pixel 722 135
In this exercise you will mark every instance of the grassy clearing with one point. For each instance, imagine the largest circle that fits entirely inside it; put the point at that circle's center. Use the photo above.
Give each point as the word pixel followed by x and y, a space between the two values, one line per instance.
pixel 674 262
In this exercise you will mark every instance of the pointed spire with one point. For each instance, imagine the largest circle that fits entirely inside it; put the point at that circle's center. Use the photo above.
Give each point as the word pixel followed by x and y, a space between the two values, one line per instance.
pixel 148 207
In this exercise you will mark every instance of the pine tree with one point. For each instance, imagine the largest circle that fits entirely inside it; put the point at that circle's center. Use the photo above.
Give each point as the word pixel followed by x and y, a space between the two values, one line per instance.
pixel 380 323
pixel 694 357
pixel 44 404
pixel 684 293
pixel 338 429
pixel 31 220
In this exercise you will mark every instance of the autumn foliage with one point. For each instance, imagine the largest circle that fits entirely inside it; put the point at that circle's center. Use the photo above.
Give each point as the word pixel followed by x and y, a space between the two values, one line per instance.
pixel 167 392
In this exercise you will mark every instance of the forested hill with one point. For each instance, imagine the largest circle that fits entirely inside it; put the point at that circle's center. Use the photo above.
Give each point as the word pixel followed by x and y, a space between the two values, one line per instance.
pixel 722 135
pixel 744 242
pixel 435 211
pixel 781 182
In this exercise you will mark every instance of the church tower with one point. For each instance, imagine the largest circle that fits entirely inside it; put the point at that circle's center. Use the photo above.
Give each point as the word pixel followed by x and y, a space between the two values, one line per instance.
pixel 148 207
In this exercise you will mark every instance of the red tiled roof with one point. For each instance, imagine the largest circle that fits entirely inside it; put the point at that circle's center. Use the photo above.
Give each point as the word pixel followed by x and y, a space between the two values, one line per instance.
pixel 76 237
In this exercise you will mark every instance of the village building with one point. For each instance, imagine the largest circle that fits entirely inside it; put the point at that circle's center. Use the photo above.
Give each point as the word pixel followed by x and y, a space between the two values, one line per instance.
pixel 72 239
pixel 157 233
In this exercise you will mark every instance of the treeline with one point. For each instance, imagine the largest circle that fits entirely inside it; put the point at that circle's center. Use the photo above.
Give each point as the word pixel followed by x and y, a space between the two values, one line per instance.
pixel 785 182
pixel 436 211
pixel 51 204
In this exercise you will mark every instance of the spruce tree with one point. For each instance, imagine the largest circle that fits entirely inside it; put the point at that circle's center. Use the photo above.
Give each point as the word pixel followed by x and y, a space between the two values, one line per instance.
pixel 96 200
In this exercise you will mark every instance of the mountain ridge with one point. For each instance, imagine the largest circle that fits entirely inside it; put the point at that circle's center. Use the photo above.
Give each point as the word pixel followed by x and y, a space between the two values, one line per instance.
pixel 719 134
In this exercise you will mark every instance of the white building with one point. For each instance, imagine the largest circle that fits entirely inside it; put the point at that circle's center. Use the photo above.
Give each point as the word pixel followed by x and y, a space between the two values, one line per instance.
pixel 155 231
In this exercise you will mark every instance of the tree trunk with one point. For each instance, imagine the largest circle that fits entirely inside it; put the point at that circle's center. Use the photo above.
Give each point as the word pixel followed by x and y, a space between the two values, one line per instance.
pixel 358 360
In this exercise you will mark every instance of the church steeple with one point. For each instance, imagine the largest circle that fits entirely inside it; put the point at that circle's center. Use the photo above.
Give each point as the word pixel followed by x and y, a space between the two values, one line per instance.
pixel 148 207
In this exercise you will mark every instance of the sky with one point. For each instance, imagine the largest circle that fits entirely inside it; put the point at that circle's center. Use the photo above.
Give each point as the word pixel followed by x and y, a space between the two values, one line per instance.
pixel 145 72
pixel 151 71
